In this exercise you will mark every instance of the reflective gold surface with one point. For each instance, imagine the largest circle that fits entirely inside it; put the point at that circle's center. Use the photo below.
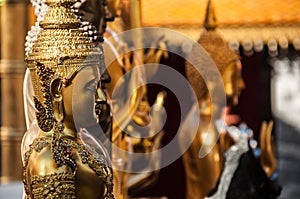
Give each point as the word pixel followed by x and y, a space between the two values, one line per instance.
pixel 267 146
pixel 64 65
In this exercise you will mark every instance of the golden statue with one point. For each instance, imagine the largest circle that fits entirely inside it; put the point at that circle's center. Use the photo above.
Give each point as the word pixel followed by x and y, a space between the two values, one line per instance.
pixel 127 17
pixel 65 69
pixel 267 148
pixel 202 173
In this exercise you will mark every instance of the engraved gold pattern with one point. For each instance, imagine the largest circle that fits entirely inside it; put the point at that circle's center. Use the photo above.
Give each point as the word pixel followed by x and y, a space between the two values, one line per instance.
pixel 65 145
pixel 56 185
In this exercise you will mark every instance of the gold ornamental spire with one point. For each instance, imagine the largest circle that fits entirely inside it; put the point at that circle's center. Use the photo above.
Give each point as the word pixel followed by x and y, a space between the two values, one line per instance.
pixel 210 22
pixel 213 42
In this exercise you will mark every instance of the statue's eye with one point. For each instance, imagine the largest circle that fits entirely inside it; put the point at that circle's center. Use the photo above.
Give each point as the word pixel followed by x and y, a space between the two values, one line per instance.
pixel 92 85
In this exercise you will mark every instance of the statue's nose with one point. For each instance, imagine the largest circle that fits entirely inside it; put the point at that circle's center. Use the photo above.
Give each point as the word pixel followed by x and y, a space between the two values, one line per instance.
pixel 105 77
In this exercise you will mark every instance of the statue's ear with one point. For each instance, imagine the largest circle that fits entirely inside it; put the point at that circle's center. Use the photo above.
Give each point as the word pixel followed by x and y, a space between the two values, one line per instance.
pixel 57 101
pixel 55 88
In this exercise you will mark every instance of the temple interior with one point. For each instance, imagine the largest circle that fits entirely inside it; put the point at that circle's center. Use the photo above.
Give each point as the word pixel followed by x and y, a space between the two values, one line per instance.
pixel 264 37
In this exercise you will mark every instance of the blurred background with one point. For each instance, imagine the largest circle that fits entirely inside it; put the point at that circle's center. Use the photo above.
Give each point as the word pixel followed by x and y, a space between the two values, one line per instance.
pixel 265 33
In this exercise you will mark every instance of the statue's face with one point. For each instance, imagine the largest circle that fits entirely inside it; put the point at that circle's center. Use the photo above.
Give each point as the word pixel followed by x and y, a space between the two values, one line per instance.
pixel 79 97
pixel 233 82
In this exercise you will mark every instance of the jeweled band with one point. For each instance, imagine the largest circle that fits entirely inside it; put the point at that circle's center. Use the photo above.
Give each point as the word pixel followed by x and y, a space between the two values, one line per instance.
pixel 58 185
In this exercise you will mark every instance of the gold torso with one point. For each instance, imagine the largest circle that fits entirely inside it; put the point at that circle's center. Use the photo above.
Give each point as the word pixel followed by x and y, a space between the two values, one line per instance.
pixel 202 172
pixel 83 175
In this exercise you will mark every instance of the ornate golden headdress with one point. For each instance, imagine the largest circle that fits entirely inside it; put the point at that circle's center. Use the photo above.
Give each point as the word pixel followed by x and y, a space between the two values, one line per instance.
pixel 60 51
pixel 217 49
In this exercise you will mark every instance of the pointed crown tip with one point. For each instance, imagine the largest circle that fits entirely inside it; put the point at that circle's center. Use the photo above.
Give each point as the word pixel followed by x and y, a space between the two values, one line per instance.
pixel 210 22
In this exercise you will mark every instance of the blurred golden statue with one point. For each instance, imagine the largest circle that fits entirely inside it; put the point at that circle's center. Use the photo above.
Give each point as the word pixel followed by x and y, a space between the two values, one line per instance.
pixel 64 161
pixel 127 62
pixel 267 148
pixel 202 173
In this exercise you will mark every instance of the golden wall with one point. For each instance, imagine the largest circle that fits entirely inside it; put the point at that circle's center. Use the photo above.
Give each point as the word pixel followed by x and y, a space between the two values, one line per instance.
pixel 228 12
pixel 237 19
